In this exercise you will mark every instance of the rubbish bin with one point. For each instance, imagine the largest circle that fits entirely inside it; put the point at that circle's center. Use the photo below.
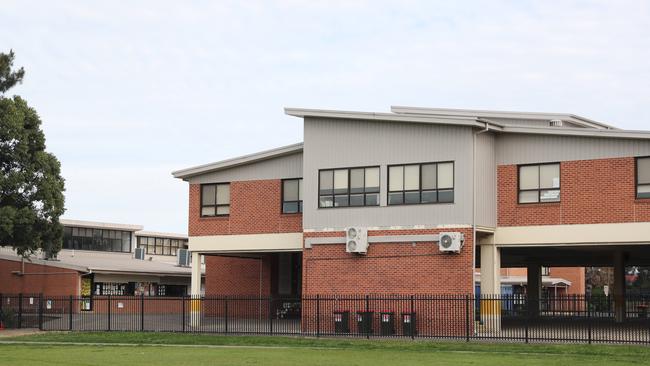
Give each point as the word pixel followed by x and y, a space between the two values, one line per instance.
pixel 387 324
pixel 341 322
pixel 408 324
pixel 364 322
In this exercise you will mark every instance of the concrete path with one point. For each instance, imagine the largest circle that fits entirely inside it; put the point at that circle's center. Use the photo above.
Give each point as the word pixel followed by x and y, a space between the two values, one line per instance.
pixel 18 332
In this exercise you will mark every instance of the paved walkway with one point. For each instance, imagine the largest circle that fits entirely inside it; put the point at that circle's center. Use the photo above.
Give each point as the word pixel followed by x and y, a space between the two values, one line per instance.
pixel 17 332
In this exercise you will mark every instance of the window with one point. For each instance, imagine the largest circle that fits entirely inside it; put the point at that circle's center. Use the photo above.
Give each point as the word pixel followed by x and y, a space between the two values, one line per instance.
pixel 348 187
pixel 96 239
pixel 539 183
pixel 421 183
pixel 292 195
pixel 161 246
pixel 643 177
pixel 215 199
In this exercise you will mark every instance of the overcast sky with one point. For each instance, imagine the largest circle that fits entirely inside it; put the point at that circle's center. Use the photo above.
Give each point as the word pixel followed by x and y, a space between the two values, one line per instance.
pixel 130 91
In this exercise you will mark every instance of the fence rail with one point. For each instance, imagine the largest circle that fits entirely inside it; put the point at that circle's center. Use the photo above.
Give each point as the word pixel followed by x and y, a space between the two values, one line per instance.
pixel 514 318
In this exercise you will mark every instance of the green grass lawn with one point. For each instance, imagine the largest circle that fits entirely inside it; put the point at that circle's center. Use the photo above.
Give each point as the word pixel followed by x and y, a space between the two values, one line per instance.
pixel 297 351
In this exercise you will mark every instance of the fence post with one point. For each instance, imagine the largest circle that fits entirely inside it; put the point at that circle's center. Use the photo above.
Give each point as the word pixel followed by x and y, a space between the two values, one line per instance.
pixel 108 301
pixel 70 316
pixel 40 311
pixel 527 316
pixel 412 317
pixel 589 319
pixel 318 315
pixel 20 310
pixel 466 318
pixel 142 312
pixel 226 312
pixel 368 316
pixel 271 314
pixel 183 311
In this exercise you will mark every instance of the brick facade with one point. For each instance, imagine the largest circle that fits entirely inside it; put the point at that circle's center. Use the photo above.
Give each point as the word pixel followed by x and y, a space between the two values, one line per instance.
pixel 592 192
pixel 388 268
pixel 48 280
pixel 237 276
pixel 255 208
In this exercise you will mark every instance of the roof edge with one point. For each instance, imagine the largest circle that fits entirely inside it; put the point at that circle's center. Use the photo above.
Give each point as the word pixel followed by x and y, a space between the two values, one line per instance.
pixel 237 161
pixel 501 114
pixel 100 225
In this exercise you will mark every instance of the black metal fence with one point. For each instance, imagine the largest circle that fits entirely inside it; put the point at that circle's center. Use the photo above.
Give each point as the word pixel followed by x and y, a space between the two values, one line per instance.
pixel 515 318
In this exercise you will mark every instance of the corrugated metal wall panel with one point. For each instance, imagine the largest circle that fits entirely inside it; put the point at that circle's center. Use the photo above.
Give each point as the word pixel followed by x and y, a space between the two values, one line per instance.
pixel 486 186
pixel 348 143
pixel 526 149
pixel 289 166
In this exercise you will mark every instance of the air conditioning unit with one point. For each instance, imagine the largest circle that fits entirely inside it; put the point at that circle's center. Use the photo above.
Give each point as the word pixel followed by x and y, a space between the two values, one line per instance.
pixel 451 242
pixel 555 123
pixel 139 253
pixel 356 240
pixel 184 257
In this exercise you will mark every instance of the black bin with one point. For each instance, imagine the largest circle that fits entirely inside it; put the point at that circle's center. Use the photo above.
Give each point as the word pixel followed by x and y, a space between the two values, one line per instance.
pixel 387 323
pixel 409 325
pixel 364 322
pixel 342 322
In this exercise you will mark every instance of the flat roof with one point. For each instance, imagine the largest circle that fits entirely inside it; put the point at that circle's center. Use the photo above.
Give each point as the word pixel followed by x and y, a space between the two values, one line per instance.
pixel 100 225
pixel 159 234
pixel 107 262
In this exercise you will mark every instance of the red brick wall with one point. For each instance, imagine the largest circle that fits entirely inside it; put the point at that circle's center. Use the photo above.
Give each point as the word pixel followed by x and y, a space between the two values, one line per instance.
pixel 42 280
pixel 388 268
pixel 592 192
pixel 255 208
pixel 233 276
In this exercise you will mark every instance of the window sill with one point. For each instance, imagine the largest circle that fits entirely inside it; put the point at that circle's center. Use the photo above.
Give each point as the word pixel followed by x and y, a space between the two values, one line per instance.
pixel 642 200
pixel 291 214
pixel 218 218
pixel 419 204
pixel 335 207
pixel 538 204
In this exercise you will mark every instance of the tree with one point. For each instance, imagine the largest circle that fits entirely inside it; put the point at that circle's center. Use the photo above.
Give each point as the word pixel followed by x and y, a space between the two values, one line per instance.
pixel 9 78
pixel 31 186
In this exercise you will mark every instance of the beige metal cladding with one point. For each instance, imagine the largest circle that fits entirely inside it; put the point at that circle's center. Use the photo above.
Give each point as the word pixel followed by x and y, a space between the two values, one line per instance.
pixel 342 143
pixel 281 167
pixel 527 149
pixel 276 242
pixel 486 180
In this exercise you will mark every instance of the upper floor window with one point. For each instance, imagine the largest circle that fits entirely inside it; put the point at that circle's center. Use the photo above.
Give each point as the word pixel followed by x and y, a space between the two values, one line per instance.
pixel 292 195
pixel 348 187
pixel 643 177
pixel 215 199
pixel 421 183
pixel 96 239
pixel 539 183
pixel 161 246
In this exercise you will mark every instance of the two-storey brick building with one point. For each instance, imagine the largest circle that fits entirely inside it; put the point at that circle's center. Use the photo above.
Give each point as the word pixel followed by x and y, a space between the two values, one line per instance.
pixel 523 189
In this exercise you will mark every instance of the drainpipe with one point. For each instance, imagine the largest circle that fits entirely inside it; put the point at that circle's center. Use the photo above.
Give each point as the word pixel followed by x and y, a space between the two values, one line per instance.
pixel 486 129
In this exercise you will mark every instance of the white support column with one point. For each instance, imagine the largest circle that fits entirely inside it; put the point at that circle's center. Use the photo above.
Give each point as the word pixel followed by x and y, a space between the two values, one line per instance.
pixel 490 286
pixel 195 290
pixel 619 286
pixel 534 288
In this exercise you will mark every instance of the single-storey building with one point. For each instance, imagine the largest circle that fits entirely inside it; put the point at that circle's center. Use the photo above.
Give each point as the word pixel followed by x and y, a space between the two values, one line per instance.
pixel 101 259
